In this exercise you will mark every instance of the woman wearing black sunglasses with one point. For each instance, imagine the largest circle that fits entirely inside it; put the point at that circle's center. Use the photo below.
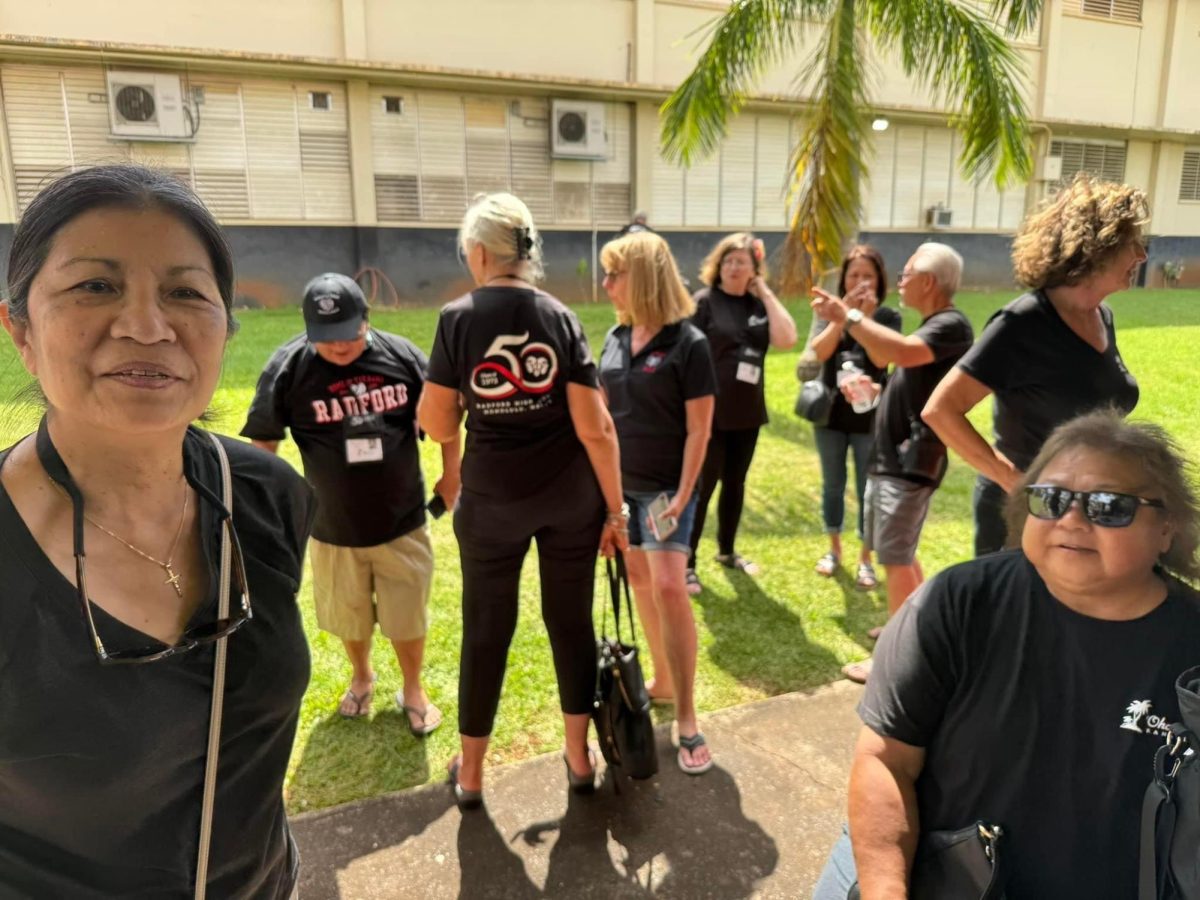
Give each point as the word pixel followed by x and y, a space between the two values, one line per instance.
pixel 1031 688
pixel 125 583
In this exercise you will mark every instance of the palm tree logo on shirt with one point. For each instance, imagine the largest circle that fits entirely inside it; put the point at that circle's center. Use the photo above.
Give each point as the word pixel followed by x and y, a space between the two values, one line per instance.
pixel 1136 711
pixel 529 367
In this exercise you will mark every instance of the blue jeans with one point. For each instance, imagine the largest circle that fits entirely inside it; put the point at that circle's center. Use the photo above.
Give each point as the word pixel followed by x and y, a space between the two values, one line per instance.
pixel 831 447
pixel 988 501
pixel 840 874
pixel 640 535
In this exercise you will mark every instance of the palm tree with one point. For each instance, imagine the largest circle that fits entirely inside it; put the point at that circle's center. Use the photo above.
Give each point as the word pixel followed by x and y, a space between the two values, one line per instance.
pixel 950 47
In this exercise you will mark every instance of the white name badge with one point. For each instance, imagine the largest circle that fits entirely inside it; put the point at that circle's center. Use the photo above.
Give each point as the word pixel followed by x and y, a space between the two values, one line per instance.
pixel 749 373
pixel 364 449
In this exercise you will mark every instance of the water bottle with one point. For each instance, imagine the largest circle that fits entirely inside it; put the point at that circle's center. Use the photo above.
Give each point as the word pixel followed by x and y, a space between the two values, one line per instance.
pixel 861 399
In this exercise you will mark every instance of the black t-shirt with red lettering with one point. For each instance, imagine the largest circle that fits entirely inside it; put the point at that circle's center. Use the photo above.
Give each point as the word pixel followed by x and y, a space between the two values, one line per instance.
pixel 511 352
pixel 355 426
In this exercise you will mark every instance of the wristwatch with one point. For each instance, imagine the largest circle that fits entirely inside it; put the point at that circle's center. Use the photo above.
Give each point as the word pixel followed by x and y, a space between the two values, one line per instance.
pixel 853 317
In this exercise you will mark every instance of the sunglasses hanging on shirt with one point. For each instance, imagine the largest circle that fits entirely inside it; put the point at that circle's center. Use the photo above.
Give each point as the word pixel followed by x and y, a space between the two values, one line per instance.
pixel 197 635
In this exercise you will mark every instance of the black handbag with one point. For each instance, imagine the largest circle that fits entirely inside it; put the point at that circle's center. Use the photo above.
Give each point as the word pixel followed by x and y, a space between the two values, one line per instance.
pixel 1170 840
pixel 965 864
pixel 815 402
pixel 922 454
pixel 622 705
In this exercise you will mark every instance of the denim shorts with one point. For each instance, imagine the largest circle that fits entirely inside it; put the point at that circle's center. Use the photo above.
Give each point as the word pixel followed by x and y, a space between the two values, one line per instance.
pixel 640 535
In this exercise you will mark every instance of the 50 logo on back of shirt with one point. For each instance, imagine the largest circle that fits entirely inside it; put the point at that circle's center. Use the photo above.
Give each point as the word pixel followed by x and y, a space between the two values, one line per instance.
pixel 512 364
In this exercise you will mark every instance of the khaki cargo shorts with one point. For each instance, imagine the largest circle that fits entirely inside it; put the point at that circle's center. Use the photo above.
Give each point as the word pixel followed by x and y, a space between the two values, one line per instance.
pixel 355 587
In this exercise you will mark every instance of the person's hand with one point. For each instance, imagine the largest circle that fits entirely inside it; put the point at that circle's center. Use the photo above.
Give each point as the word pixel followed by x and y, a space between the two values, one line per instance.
pixel 615 535
pixel 1011 479
pixel 447 488
pixel 868 301
pixel 828 307
pixel 676 507
pixel 859 383
pixel 757 287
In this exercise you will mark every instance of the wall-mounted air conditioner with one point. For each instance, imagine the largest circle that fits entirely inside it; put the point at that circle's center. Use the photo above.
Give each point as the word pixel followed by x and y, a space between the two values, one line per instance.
pixel 939 217
pixel 1050 168
pixel 148 106
pixel 578 130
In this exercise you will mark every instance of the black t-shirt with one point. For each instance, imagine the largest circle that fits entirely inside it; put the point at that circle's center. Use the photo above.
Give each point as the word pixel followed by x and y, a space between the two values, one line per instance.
pixel 647 396
pixel 842 416
pixel 1033 717
pixel 948 334
pixel 738 333
pixel 102 767
pixel 355 426
pixel 1043 374
pixel 511 352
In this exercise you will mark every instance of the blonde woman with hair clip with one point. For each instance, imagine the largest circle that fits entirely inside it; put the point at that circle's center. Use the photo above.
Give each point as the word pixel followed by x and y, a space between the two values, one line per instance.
pixel 742 319
pixel 540 464
pixel 658 378
pixel 1083 247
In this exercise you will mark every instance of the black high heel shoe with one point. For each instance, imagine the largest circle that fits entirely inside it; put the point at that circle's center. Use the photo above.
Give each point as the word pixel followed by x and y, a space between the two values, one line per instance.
pixel 582 784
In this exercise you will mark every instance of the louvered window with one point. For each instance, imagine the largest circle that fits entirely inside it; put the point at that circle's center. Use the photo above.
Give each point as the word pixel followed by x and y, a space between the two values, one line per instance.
pixel 1100 159
pixel 1189 179
pixel 443 148
pixel 1122 10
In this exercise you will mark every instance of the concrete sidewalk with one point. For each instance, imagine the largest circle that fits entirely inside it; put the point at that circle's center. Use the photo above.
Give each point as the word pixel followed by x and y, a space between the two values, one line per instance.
pixel 759 824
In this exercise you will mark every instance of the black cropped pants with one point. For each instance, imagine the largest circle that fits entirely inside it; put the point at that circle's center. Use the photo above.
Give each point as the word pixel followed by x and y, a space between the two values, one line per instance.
pixel 565 518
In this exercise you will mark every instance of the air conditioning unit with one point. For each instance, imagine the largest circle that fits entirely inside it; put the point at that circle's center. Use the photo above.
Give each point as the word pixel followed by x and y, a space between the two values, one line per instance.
pixel 148 106
pixel 577 130
pixel 1050 168
pixel 939 217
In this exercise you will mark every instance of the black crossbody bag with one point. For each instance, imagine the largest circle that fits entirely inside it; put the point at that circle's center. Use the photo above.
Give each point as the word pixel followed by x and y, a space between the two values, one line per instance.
pixel 622 704
pixel 965 864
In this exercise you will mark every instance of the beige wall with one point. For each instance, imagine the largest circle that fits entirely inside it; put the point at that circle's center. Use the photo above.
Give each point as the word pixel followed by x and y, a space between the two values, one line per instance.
pixel 299 27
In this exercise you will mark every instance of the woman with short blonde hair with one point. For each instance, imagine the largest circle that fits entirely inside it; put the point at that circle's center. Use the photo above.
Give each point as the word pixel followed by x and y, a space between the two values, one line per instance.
pixel 658 377
pixel 656 295
pixel 1085 245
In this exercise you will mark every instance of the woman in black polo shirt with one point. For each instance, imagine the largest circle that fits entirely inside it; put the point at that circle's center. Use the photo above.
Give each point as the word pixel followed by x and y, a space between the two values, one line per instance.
pixel 863 286
pixel 540 463
pixel 741 318
pixel 658 377
pixel 1051 354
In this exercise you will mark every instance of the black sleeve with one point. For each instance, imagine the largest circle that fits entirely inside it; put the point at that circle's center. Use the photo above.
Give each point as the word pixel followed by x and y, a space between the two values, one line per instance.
pixel 581 367
pixel 443 367
pixel 914 668
pixel 699 377
pixel 702 317
pixel 948 336
pixel 992 361
pixel 889 318
pixel 268 418
pixel 420 366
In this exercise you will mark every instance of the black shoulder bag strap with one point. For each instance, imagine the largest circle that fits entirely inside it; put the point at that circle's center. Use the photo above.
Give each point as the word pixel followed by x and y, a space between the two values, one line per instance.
pixel 618 581
pixel 1159 812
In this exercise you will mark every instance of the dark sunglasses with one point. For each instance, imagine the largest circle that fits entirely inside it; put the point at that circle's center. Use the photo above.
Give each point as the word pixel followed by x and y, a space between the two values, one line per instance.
pixel 196 636
pixel 1107 509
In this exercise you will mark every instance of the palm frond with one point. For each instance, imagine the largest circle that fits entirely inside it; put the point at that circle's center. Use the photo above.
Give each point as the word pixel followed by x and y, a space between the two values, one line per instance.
pixel 1017 16
pixel 829 161
pixel 967 64
pixel 742 44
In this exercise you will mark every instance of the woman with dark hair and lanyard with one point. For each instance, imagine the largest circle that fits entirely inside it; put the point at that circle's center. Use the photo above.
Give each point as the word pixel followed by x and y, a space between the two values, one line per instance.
pixel 658 378
pixel 862 286
pixel 742 319
pixel 540 464
pixel 130 697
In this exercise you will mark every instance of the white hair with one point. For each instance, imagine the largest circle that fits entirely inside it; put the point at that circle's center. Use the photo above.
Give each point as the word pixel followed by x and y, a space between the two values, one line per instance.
pixel 504 225
pixel 941 261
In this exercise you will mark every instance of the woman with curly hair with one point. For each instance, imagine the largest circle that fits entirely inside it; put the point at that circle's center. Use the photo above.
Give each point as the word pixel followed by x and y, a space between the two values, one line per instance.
pixel 1051 354
pixel 742 319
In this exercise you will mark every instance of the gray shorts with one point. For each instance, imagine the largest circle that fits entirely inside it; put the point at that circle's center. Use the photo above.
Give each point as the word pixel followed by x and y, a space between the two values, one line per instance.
pixel 895 510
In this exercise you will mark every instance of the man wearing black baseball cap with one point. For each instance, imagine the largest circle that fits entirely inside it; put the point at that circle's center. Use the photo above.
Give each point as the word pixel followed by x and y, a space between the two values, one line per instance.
pixel 349 394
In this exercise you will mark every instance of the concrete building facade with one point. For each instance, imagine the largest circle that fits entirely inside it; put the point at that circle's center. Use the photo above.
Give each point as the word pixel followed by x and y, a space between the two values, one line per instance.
pixel 350 134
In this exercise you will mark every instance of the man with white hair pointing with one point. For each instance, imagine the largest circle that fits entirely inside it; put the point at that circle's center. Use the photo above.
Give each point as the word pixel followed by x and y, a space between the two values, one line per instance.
pixel 908 460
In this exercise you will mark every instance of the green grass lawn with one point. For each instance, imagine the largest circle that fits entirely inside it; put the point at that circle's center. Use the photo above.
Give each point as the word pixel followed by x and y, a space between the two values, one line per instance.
pixel 786 630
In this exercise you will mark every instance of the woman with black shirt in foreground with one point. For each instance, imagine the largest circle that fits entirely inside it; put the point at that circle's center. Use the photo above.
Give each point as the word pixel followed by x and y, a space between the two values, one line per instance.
pixel 1051 354
pixel 540 464
pixel 1030 689
pixel 121 286
pixel 657 375
pixel 741 318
